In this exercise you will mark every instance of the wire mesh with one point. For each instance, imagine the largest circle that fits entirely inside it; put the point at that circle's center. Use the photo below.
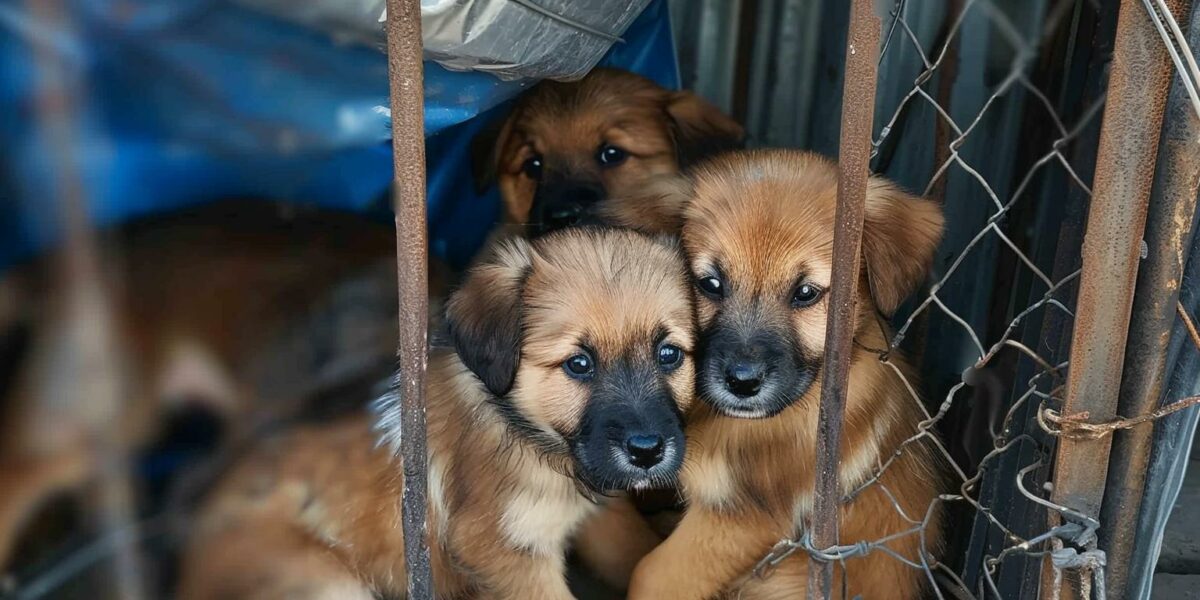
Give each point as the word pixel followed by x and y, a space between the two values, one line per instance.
pixel 1063 539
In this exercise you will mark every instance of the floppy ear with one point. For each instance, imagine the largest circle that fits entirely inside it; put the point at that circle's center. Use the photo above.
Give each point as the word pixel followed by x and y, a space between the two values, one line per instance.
pixel 656 208
pixel 485 150
pixel 900 234
pixel 700 129
pixel 483 317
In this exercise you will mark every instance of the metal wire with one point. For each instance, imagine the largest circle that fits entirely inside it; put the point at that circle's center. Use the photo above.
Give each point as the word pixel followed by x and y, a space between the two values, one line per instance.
pixel 1069 540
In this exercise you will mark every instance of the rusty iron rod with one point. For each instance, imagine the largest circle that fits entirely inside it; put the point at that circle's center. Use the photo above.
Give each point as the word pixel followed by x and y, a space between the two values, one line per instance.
pixel 92 367
pixel 854 156
pixel 1169 229
pixel 1125 163
pixel 405 75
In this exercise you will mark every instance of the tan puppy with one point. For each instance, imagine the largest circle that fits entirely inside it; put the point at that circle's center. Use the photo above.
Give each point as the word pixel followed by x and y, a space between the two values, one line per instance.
pixel 569 152
pixel 570 373
pixel 758 233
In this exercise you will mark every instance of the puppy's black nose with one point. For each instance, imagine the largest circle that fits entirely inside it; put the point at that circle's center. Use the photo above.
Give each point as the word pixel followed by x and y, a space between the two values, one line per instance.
pixel 570 206
pixel 744 379
pixel 645 451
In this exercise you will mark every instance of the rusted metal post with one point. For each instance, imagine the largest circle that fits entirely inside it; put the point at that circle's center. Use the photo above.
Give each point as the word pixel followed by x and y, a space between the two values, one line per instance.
pixel 1169 230
pixel 1125 161
pixel 87 371
pixel 408 147
pixel 854 157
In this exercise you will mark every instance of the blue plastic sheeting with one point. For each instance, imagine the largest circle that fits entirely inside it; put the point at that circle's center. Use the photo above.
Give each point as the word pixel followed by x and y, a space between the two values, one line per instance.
pixel 187 101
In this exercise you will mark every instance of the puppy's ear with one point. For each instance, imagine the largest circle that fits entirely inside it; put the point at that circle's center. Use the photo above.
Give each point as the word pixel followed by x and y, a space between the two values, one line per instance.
pixel 700 129
pixel 656 208
pixel 483 317
pixel 486 147
pixel 900 234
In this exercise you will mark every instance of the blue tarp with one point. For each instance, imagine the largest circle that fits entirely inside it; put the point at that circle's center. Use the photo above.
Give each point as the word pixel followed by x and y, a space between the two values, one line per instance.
pixel 188 101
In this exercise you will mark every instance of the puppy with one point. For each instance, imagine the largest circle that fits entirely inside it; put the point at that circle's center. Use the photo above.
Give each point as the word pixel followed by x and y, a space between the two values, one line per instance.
pixel 570 372
pixel 758 234
pixel 568 153
pixel 202 298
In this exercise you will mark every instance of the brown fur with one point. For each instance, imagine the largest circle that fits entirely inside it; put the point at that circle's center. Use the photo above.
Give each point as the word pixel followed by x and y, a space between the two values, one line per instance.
pixel 199 297
pixel 567 123
pixel 766 217
pixel 503 500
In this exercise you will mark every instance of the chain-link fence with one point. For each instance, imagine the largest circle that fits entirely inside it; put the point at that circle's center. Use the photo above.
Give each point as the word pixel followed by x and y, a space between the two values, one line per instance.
pixel 995 110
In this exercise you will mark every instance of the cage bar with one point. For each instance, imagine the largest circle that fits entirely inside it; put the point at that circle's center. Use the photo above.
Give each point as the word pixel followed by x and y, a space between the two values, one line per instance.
pixel 405 74
pixel 1169 231
pixel 1112 247
pixel 858 108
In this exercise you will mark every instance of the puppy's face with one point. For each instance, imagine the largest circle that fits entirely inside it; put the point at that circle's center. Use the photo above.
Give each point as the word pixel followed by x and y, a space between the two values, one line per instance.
pixel 584 341
pixel 759 236
pixel 568 150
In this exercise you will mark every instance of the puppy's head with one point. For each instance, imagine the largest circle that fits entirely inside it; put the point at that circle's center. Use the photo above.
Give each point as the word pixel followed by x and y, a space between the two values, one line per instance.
pixel 758 233
pixel 583 339
pixel 567 149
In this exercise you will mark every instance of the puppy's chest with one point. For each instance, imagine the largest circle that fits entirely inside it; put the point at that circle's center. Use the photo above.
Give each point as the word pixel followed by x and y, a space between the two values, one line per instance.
pixel 542 513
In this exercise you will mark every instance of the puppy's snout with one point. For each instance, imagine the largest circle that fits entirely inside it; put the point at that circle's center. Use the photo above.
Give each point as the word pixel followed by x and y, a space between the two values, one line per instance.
pixel 569 206
pixel 744 378
pixel 645 451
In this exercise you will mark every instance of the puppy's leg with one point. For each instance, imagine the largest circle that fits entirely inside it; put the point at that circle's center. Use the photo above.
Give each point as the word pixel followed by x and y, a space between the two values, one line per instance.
pixel 612 541
pixel 510 574
pixel 707 553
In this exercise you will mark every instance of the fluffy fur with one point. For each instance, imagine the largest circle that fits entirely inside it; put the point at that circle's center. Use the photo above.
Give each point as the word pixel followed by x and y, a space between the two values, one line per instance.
pixel 514 467
pixel 762 222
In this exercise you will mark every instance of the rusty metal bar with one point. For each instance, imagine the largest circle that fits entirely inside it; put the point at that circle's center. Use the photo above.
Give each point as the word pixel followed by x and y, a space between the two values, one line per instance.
pixel 1169 230
pixel 405 73
pixel 1126 156
pixel 90 364
pixel 854 159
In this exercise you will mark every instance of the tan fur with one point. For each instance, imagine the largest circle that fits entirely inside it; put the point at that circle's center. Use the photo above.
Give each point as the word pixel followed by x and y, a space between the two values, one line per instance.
pixel 567 123
pixel 766 217
pixel 502 511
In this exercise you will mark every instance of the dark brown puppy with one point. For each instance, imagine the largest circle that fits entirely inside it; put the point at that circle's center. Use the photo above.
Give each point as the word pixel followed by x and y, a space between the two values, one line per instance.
pixel 570 374
pixel 758 233
pixel 569 152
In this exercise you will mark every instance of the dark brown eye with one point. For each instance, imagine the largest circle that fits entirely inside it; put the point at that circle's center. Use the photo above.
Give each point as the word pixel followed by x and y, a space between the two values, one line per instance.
pixel 712 286
pixel 669 357
pixel 533 167
pixel 611 156
pixel 580 367
pixel 806 294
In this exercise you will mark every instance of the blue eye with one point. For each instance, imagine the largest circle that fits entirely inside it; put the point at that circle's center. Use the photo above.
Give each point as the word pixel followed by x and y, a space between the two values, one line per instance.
pixel 712 287
pixel 533 167
pixel 611 156
pixel 669 357
pixel 579 367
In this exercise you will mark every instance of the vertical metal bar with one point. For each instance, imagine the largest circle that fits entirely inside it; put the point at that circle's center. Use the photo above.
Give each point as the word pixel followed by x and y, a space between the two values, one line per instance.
pixel 1137 95
pixel 91 366
pixel 1169 230
pixel 858 112
pixel 408 147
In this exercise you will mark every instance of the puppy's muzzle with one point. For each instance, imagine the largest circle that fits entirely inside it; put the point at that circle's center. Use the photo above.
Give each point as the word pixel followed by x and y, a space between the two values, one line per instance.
pixel 560 206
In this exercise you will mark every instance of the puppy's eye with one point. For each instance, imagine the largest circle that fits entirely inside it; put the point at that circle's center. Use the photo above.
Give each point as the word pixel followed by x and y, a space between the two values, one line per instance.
pixel 669 357
pixel 580 367
pixel 712 287
pixel 806 294
pixel 533 167
pixel 611 156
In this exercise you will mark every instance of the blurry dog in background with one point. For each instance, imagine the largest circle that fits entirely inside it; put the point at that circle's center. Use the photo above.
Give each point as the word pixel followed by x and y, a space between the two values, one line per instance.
pixel 571 153
pixel 570 374
pixel 234 309
pixel 758 233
